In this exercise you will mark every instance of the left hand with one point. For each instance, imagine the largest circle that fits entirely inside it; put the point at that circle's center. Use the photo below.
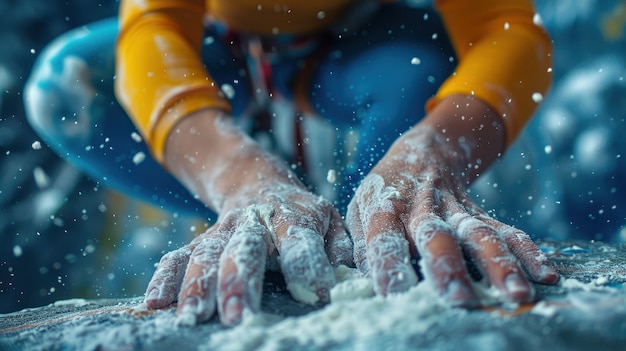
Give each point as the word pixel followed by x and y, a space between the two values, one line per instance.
pixel 413 205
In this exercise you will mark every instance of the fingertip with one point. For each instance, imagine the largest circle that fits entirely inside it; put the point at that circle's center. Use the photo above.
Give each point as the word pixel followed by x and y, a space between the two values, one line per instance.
pixel 186 313
pixel 389 264
pixel 460 294
pixel 548 275
pixel 518 288
pixel 159 296
pixel 193 310
pixel 152 300
pixel 153 304
pixel 232 311
pixel 543 272
pixel 311 291
pixel 399 281
pixel 308 272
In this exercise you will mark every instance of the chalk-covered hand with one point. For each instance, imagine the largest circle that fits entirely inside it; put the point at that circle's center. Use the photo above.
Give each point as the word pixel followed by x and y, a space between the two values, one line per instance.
pixel 267 218
pixel 413 206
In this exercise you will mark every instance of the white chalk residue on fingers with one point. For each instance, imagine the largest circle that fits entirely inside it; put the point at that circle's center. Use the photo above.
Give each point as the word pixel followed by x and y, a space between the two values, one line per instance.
pixel 308 273
pixel 247 250
pixel 351 285
pixel 167 279
pixel 251 237
pixel 425 227
pixel 388 258
pixel 475 234
pixel 200 305
pixel 374 196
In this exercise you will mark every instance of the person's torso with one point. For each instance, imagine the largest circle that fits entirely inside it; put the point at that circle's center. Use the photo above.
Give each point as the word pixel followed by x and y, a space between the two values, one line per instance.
pixel 278 17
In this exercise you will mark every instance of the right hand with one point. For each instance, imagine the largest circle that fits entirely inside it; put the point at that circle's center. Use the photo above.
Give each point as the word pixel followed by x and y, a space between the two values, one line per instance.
pixel 268 213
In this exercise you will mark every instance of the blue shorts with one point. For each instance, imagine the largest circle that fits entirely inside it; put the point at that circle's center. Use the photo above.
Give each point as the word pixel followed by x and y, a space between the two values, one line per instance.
pixel 368 84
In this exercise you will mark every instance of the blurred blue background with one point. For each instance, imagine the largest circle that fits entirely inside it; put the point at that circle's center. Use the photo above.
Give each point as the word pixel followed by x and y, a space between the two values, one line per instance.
pixel 64 236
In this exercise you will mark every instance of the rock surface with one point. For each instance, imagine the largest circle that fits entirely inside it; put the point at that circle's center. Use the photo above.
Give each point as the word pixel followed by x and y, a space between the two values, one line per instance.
pixel 586 311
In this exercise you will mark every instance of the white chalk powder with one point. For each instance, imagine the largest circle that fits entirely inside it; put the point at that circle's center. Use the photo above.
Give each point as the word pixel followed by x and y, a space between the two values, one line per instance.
pixel 347 318
pixel 331 176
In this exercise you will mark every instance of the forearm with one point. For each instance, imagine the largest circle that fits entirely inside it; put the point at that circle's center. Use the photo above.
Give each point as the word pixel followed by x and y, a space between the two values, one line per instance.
pixel 160 75
pixel 471 130
pixel 215 160
pixel 504 57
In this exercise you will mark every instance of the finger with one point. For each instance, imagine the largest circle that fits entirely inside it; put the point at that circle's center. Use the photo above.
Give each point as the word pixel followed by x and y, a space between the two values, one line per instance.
pixel 165 283
pixel 197 297
pixel 305 266
pixel 198 291
pixel 441 260
pixel 389 263
pixel 387 249
pixel 242 266
pixel 494 259
pixel 536 263
pixel 354 225
pixel 338 244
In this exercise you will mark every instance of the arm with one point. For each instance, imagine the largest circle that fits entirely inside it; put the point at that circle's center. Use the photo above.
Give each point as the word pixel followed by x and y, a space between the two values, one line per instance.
pixel 159 74
pixel 414 204
pixel 263 209
pixel 504 57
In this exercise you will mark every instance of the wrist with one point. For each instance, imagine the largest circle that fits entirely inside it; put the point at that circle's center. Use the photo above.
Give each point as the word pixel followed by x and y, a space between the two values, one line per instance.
pixel 472 131
pixel 218 162
pixel 200 152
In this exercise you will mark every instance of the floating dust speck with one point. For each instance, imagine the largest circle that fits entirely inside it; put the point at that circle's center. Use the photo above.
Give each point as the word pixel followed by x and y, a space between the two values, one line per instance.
pixel 209 40
pixel 41 178
pixel 331 176
pixel 228 90
pixel 547 149
pixel 136 137
pixel 139 157
pixel 17 251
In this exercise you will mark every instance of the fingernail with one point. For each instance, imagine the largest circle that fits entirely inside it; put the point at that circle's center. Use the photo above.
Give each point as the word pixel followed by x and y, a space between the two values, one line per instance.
pixel 152 295
pixel 549 274
pixel 233 310
pixel 517 287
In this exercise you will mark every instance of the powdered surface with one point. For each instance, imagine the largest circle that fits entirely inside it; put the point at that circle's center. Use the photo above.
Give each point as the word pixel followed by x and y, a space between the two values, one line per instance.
pixel 587 310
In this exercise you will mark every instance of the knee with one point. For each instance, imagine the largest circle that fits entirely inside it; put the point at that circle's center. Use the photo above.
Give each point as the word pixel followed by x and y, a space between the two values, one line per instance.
pixel 59 93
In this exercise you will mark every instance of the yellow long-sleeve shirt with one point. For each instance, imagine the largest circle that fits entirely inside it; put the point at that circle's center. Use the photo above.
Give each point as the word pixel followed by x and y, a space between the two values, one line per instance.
pixel 504 57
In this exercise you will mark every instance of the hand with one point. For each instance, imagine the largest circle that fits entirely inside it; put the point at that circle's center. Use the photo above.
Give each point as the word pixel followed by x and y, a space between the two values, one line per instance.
pixel 413 204
pixel 265 213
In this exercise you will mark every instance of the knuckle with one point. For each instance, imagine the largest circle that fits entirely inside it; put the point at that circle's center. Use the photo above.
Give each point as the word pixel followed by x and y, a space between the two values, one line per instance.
pixel 471 228
pixel 387 244
pixel 425 226
pixel 515 234
pixel 175 256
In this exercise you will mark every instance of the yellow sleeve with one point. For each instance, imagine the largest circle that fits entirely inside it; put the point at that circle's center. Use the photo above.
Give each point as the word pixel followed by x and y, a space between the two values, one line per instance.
pixel 504 57
pixel 159 73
